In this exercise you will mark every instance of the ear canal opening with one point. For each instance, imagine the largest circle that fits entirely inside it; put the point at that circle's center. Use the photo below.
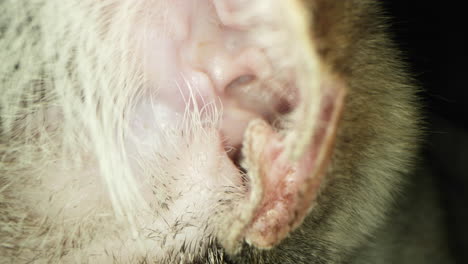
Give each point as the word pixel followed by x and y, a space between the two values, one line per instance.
pixel 241 80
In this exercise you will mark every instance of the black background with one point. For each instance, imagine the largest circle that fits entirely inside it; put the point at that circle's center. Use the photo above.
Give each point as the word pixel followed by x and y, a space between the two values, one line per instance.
pixel 433 36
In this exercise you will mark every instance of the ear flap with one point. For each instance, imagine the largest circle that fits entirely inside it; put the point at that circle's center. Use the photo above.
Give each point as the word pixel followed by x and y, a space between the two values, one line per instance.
pixel 289 184
pixel 285 165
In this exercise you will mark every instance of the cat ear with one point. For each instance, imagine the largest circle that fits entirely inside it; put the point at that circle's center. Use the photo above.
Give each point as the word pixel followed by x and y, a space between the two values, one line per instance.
pixel 289 182
pixel 280 103
pixel 274 78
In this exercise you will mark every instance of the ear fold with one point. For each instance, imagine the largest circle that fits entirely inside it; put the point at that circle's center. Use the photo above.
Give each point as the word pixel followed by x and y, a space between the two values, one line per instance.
pixel 285 164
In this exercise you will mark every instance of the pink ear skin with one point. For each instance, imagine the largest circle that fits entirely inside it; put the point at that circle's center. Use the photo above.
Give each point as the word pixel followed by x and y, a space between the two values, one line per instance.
pixel 282 190
pixel 240 56
pixel 289 187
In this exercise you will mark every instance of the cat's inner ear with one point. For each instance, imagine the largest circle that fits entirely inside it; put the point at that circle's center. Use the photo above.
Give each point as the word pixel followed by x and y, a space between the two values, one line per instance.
pixel 257 61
